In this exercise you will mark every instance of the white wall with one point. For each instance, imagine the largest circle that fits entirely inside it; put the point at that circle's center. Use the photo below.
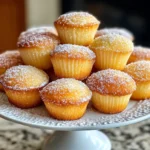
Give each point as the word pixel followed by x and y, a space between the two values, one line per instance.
pixel 41 12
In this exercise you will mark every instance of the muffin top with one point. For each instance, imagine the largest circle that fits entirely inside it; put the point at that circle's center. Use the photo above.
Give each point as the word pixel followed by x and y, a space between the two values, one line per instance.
pixel 24 77
pixel 43 30
pixel 139 71
pixel 78 19
pixel 140 53
pixel 120 31
pixel 37 40
pixel 10 58
pixel 112 42
pixel 66 91
pixel 73 51
pixel 111 82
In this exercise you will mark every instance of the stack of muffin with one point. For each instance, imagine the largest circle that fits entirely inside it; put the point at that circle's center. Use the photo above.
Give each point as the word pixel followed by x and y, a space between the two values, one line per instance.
pixel 81 63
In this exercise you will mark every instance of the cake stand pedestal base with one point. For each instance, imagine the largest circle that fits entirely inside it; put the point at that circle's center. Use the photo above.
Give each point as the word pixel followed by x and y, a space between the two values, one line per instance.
pixel 77 140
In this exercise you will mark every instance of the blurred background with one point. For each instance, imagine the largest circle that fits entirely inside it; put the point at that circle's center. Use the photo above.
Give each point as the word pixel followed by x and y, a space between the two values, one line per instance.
pixel 18 15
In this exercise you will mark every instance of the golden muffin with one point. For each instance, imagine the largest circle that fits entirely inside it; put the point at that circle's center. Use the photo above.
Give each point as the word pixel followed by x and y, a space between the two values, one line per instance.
pixel 112 51
pixel 120 31
pixel 140 72
pixel 77 28
pixel 111 90
pixel 66 99
pixel 22 85
pixel 35 49
pixel 8 59
pixel 72 61
pixel 139 53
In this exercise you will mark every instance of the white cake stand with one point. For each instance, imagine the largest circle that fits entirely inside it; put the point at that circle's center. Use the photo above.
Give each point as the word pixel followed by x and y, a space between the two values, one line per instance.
pixel 79 134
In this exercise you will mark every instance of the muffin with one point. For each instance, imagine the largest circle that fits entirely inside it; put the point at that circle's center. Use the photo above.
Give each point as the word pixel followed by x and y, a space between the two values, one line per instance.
pixel 9 59
pixel 140 72
pixel 112 51
pixel 22 85
pixel 139 53
pixel 72 61
pixel 77 28
pixel 35 49
pixel 120 31
pixel 111 90
pixel 66 99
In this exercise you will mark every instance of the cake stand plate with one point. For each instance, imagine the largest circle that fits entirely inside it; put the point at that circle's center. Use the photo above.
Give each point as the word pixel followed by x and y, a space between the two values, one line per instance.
pixel 73 138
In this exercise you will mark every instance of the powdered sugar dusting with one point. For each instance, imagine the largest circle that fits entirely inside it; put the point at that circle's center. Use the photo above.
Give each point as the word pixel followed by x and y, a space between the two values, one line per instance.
pixel 140 70
pixel 74 51
pixel 141 52
pixel 34 39
pixel 66 90
pixel 24 77
pixel 112 82
pixel 120 31
pixel 112 42
pixel 10 58
pixel 42 29
pixel 77 18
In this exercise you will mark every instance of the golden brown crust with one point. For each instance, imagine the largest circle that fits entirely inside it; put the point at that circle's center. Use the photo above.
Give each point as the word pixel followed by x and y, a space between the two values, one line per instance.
pixel 37 40
pixel 139 53
pixel 111 82
pixel 120 31
pixel 66 92
pixel 77 19
pixel 9 59
pixel 22 90
pixel 139 71
pixel 24 106
pixel 24 78
pixel 89 26
pixel 112 42
pixel 23 98
pixel 73 52
pixel 70 112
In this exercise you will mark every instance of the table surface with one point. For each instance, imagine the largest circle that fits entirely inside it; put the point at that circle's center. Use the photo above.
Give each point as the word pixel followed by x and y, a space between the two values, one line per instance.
pixel 14 136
